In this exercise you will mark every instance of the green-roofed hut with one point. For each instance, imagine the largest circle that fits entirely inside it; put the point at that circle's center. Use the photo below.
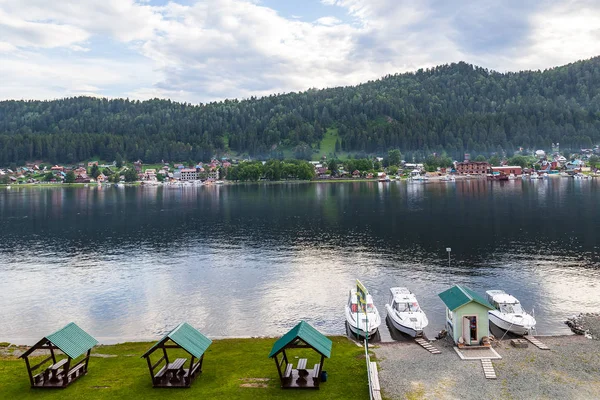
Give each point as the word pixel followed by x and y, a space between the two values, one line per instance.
pixel 73 342
pixel 302 336
pixel 173 374
pixel 466 315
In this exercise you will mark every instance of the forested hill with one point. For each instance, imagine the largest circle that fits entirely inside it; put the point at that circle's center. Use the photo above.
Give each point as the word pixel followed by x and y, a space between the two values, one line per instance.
pixel 456 107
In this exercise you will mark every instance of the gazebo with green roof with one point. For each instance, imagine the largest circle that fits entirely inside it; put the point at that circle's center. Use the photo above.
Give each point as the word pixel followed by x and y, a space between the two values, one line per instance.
pixel 73 342
pixel 466 315
pixel 302 336
pixel 174 374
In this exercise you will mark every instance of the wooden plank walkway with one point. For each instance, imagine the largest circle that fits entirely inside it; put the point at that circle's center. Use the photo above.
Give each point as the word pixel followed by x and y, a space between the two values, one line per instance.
pixel 427 346
pixel 488 368
pixel 375 388
pixel 536 342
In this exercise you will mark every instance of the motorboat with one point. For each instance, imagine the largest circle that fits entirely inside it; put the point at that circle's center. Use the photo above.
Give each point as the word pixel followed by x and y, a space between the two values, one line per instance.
pixel 448 178
pixel 579 175
pixel 535 175
pixel 508 313
pixel 361 323
pixel 512 176
pixel 405 313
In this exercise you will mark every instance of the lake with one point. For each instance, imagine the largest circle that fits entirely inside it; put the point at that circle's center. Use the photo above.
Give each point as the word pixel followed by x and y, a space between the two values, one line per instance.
pixel 251 260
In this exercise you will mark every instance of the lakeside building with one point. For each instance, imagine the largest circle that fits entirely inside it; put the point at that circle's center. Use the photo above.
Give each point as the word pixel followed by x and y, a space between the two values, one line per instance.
pixel 214 174
pixel 189 174
pixel 466 315
pixel 472 167
pixel 506 169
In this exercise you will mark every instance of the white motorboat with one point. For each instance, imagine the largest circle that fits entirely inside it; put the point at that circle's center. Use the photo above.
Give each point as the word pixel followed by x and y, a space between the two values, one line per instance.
pixel 405 313
pixel 361 323
pixel 449 178
pixel 509 315
pixel 535 175
pixel 579 175
pixel 512 176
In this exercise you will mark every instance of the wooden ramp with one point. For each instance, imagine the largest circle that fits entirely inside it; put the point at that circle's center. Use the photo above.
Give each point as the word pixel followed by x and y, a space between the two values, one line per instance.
pixel 488 368
pixel 375 388
pixel 427 346
pixel 536 342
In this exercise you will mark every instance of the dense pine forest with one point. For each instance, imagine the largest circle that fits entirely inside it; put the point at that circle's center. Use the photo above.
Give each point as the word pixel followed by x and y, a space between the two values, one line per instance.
pixel 453 108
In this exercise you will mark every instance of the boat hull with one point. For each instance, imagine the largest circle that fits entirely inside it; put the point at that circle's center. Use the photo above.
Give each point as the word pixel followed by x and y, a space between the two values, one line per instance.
pixel 402 327
pixel 519 329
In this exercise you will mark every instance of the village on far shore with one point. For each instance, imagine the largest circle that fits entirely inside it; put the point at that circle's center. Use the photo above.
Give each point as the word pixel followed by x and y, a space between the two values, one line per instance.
pixel 524 163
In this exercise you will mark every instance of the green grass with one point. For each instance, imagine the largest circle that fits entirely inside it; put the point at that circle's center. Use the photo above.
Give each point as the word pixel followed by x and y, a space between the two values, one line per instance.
pixel 328 146
pixel 226 364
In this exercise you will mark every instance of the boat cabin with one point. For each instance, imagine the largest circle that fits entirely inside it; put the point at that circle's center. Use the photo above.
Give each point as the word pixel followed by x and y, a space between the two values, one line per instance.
pixel 467 317
pixel 353 303
pixel 74 343
pixel 504 302
pixel 174 373
pixel 402 300
pixel 304 375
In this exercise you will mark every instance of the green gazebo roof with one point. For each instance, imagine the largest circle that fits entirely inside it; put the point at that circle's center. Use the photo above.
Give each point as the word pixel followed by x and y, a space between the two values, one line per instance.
pixel 309 335
pixel 457 296
pixel 186 336
pixel 71 340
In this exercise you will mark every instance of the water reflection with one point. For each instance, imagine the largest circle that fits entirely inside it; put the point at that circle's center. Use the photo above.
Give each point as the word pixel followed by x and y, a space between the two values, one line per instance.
pixel 249 260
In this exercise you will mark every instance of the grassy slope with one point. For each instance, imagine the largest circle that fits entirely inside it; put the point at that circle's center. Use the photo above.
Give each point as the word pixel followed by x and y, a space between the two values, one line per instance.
pixel 226 363
pixel 328 145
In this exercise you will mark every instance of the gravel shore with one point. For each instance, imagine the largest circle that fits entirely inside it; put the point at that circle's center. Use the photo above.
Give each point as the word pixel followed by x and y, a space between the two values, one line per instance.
pixel 569 370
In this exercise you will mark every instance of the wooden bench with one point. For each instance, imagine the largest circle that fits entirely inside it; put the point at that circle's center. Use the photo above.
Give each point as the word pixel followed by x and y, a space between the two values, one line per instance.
pixel 315 372
pixel 288 372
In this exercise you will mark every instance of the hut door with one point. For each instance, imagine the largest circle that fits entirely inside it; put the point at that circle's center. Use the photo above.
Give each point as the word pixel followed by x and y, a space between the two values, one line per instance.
pixel 466 324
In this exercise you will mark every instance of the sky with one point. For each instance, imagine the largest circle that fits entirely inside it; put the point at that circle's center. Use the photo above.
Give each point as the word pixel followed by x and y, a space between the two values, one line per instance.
pixel 208 50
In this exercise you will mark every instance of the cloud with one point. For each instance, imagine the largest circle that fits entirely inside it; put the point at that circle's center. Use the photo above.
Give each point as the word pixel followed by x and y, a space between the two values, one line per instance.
pixel 215 49
pixel 328 21
pixel 18 32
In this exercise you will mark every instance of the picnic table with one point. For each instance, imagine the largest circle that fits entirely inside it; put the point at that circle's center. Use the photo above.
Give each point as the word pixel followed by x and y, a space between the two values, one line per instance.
pixel 54 368
pixel 175 369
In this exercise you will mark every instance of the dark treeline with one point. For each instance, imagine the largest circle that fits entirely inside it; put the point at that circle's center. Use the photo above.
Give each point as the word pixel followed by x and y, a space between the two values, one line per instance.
pixel 452 108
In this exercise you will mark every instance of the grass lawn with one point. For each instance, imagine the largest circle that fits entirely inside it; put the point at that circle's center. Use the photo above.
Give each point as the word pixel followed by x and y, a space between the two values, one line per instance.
pixel 228 363
pixel 328 146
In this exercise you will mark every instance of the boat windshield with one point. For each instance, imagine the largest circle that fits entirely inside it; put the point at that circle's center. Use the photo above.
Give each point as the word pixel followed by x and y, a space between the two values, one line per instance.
pixel 511 308
pixel 407 307
pixel 355 309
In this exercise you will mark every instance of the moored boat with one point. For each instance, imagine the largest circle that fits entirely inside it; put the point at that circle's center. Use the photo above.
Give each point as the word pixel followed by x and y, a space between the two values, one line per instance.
pixel 405 313
pixel 361 323
pixel 509 315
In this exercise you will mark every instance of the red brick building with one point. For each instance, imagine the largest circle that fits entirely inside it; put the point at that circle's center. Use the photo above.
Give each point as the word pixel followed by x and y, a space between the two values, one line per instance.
pixel 473 167
pixel 516 170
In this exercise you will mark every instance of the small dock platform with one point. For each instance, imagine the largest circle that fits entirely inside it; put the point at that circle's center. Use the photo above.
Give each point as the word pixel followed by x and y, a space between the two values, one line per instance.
pixel 427 346
pixel 488 368
pixel 536 342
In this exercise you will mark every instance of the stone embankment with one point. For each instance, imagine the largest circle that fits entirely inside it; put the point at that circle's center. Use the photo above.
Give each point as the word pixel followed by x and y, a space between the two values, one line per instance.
pixel 587 324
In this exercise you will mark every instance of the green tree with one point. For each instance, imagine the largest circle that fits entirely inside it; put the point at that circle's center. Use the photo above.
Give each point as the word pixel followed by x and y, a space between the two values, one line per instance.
pixel 160 177
pixel 377 166
pixel 130 175
pixel 70 178
pixel 594 160
pixel 48 177
pixel 5 179
pixel 394 157
pixel 95 171
pixel 306 171
pixel 392 170
pixel 333 167
pixel 480 158
pixel 119 160
pixel 495 161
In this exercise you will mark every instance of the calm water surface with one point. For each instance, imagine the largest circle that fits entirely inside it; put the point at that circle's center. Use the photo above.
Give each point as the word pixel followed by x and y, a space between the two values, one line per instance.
pixel 247 260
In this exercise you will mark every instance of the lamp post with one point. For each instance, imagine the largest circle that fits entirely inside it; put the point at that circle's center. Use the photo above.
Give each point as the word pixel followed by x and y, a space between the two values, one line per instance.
pixel 448 249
